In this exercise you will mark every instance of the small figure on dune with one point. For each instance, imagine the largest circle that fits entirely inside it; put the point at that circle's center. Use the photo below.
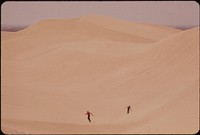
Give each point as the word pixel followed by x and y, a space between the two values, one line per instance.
pixel 88 114
pixel 129 109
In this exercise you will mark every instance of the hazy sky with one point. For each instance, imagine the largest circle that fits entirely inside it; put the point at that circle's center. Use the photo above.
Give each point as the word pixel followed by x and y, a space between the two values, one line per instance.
pixel 176 13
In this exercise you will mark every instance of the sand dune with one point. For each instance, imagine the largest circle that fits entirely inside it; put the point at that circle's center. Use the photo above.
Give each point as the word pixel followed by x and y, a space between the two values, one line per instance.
pixel 56 70
pixel 7 35
pixel 85 28
pixel 140 29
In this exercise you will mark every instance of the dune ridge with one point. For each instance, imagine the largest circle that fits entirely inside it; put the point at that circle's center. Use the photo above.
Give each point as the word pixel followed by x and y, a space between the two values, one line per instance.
pixel 99 26
pixel 49 83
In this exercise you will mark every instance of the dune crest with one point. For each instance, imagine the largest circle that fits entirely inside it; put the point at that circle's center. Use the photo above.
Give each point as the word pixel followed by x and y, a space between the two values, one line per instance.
pixel 100 27
pixel 141 29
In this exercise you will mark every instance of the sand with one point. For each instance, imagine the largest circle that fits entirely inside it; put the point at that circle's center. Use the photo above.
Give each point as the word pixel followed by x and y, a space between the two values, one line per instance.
pixel 55 70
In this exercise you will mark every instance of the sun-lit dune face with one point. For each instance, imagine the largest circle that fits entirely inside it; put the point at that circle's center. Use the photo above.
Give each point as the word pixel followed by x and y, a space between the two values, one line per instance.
pixel 56 70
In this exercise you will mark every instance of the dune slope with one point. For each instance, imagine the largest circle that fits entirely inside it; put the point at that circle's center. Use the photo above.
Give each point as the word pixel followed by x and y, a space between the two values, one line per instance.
pixel 49 83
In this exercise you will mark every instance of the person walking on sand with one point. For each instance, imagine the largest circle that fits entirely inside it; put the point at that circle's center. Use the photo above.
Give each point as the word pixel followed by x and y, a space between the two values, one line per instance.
pixel 129 109
pixel 88 114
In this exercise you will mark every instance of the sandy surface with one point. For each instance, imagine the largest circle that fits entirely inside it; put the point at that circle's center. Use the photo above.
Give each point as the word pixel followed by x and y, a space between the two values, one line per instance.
pixel 56 70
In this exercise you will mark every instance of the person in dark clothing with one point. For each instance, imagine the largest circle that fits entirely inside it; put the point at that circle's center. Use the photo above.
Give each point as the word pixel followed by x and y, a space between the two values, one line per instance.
pixel 88 114
pixel 129 109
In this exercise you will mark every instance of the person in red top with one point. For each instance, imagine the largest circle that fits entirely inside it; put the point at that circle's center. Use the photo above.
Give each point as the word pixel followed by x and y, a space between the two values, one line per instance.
pixel 128 109
pixel 88 114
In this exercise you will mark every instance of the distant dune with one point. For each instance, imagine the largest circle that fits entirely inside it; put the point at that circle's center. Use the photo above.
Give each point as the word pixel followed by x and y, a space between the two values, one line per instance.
pixel 56 70
pixel 16 28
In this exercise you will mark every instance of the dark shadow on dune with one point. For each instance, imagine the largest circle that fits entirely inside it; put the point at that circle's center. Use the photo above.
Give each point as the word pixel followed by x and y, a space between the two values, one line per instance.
pixel 13 28
pixel 184 27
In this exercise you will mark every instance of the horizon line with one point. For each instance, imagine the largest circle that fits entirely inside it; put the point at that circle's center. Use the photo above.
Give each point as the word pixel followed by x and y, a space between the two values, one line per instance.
pixel 15 28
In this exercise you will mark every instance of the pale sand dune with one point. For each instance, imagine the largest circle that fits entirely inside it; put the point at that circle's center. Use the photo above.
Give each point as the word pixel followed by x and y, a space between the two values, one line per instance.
pixel 85 28
pixel 150 31
pixel 49 80
pixel 7 35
